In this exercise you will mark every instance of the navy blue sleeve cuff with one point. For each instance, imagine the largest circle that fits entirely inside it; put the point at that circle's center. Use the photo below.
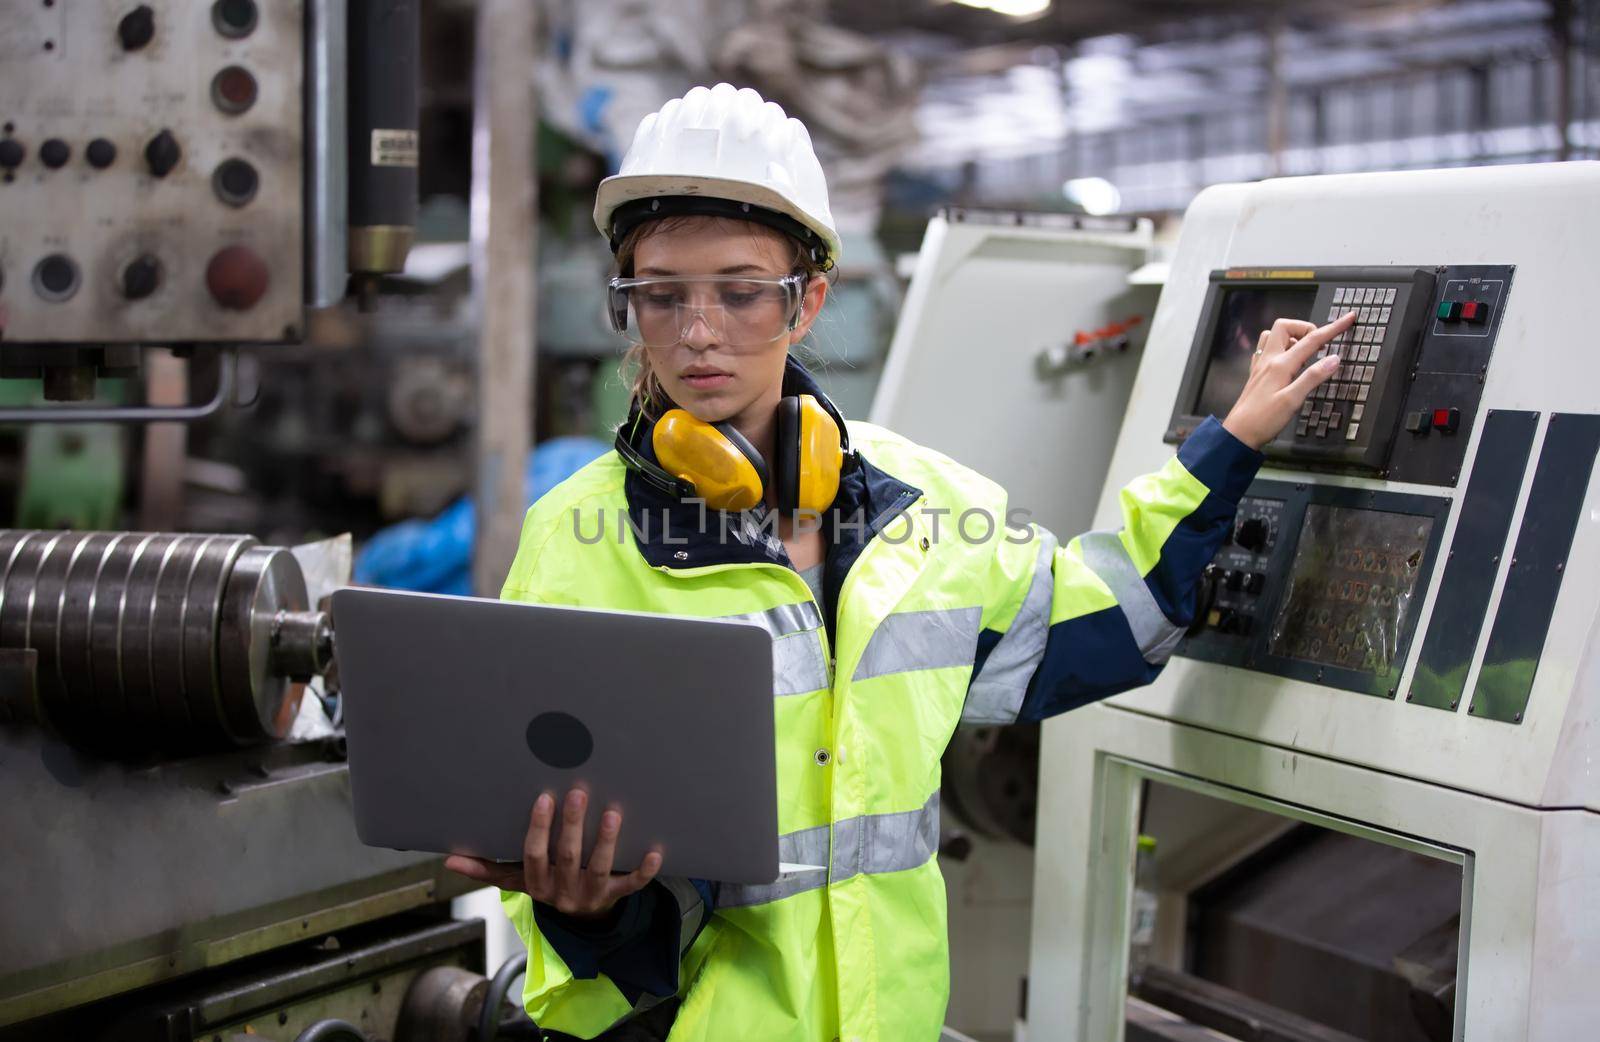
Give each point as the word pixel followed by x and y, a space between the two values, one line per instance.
pixel 1221 462
pixel 637 947
pixel 584 944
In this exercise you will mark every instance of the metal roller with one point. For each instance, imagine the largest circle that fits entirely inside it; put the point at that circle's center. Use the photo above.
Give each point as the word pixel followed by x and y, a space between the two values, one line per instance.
pixel 157 640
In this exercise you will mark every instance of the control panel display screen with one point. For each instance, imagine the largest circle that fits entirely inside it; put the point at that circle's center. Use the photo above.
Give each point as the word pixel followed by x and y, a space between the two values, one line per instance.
pixel 1245 312
pixel 1351 586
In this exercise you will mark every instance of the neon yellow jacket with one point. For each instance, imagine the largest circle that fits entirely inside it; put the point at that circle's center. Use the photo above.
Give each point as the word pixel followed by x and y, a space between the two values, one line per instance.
pixel 934 622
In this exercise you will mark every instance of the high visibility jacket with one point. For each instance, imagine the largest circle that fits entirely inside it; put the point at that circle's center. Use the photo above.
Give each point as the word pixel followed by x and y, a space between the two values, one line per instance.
pixel 928 621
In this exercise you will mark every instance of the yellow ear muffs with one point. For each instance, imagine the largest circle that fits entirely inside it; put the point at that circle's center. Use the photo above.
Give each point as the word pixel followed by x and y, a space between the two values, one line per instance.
pixel 810 455
pixel 724 468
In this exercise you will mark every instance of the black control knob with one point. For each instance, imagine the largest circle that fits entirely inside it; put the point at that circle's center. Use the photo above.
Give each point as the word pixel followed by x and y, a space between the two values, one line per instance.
pixel 1253 533
pixel 137 28
pixel 12 153
pixel 235 182
pixel 100 153
pixel 162 153
pixel 55 153
pixel 141 277
pixel 1255 583
pixel 56 277
pixel 234 18
pixel 1233 580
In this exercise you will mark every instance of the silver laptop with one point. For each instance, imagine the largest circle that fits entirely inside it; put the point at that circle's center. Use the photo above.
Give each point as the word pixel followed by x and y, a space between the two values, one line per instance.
pixel 459 711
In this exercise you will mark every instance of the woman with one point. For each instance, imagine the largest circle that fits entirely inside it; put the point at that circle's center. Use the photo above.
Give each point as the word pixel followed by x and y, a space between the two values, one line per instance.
pixel 887 630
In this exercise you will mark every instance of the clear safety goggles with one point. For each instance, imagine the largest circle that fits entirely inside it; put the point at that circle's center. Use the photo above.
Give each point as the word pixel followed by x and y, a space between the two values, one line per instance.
pixel 737 310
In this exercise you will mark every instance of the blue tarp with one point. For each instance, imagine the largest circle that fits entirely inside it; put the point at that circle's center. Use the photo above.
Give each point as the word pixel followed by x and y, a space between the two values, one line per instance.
pixel 435 556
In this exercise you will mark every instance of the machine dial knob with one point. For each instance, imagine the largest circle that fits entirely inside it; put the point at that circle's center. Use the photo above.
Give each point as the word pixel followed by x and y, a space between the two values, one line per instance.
pixel 162 153
pixel 11 153
pixel 141 277
pixel 54 153
pixel 137 28
pixel 100 153
pixel 1253 533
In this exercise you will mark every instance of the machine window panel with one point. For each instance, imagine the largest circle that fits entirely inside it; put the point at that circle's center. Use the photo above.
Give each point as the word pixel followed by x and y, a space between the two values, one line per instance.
pixel 1351 588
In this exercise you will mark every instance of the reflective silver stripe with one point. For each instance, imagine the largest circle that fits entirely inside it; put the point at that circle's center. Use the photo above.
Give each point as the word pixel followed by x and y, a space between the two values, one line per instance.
pixel 884 842
pixel 996 693
pixel 799 664
pixel 691 909
pixel 806 847
pixel 1156 635
pixel 783 620
pixel 921 640
pixel 870 843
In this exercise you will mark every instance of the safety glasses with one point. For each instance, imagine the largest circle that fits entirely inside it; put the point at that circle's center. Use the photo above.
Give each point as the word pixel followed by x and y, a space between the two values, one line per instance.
pixel 737 310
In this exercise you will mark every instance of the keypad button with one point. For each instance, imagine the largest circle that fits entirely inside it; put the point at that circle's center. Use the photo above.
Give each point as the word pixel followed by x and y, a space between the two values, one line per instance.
pixel 1305 410
pixel 1350 432
pixel 1373 353
pixel 1379 332
pixel 1388 295
pixel 1333 313
pixel 1369 296
pixel 1357 413
pixel 1367 373
pixel 1361 395
pixel 1336 420
pixel 1322 430
pixel 1383 316
pixel 1301 428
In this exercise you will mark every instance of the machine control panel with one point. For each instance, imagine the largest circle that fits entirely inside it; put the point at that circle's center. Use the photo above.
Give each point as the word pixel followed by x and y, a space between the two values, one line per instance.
pixel 1319 583
pixel 151 171
pixel 1237 578
pixel 1433 326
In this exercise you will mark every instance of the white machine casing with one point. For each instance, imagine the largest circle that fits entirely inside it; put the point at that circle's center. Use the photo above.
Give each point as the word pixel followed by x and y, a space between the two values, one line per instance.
pixel 986 367
pixel 1515 804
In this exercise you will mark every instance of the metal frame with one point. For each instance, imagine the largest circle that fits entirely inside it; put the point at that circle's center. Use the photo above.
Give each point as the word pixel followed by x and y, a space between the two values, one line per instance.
pixel 1092 773
pixel 226 378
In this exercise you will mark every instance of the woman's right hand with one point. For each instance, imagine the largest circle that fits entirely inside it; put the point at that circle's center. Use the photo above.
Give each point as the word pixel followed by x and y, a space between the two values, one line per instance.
pixel 586 892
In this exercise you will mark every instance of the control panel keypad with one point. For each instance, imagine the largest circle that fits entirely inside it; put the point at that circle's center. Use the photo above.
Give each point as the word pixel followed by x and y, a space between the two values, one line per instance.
pixel 1362 343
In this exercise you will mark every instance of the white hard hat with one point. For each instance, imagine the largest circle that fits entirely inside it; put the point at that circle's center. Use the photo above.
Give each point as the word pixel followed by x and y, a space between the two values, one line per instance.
pixel 725 152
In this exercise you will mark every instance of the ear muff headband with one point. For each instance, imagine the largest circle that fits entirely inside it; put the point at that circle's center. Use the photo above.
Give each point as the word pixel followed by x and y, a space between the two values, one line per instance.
pixel 786 465
pixel 716 463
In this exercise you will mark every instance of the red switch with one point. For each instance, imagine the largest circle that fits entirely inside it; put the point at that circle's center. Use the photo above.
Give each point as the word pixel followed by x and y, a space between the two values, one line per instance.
pixel 1446 420
pixel 237 277
pixel 1475 312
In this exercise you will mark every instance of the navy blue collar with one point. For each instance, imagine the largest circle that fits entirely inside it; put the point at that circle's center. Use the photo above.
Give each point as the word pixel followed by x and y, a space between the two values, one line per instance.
pixel 671 533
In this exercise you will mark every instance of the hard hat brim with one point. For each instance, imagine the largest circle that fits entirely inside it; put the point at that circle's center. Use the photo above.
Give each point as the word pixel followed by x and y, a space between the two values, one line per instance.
pixel 623 188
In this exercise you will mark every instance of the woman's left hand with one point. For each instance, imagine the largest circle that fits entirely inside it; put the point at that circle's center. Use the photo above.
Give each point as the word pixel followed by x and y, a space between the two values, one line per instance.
pixel 1277 388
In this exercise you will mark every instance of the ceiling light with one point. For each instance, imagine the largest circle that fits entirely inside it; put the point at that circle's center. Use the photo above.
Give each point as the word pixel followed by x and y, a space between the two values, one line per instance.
pixel 1096 195
pixel 1010 8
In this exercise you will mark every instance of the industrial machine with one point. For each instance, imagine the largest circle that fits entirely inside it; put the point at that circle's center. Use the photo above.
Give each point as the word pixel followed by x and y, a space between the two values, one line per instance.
pixel 181 861
pixel 194 175
pixel 1366 776
pixel 1015 355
